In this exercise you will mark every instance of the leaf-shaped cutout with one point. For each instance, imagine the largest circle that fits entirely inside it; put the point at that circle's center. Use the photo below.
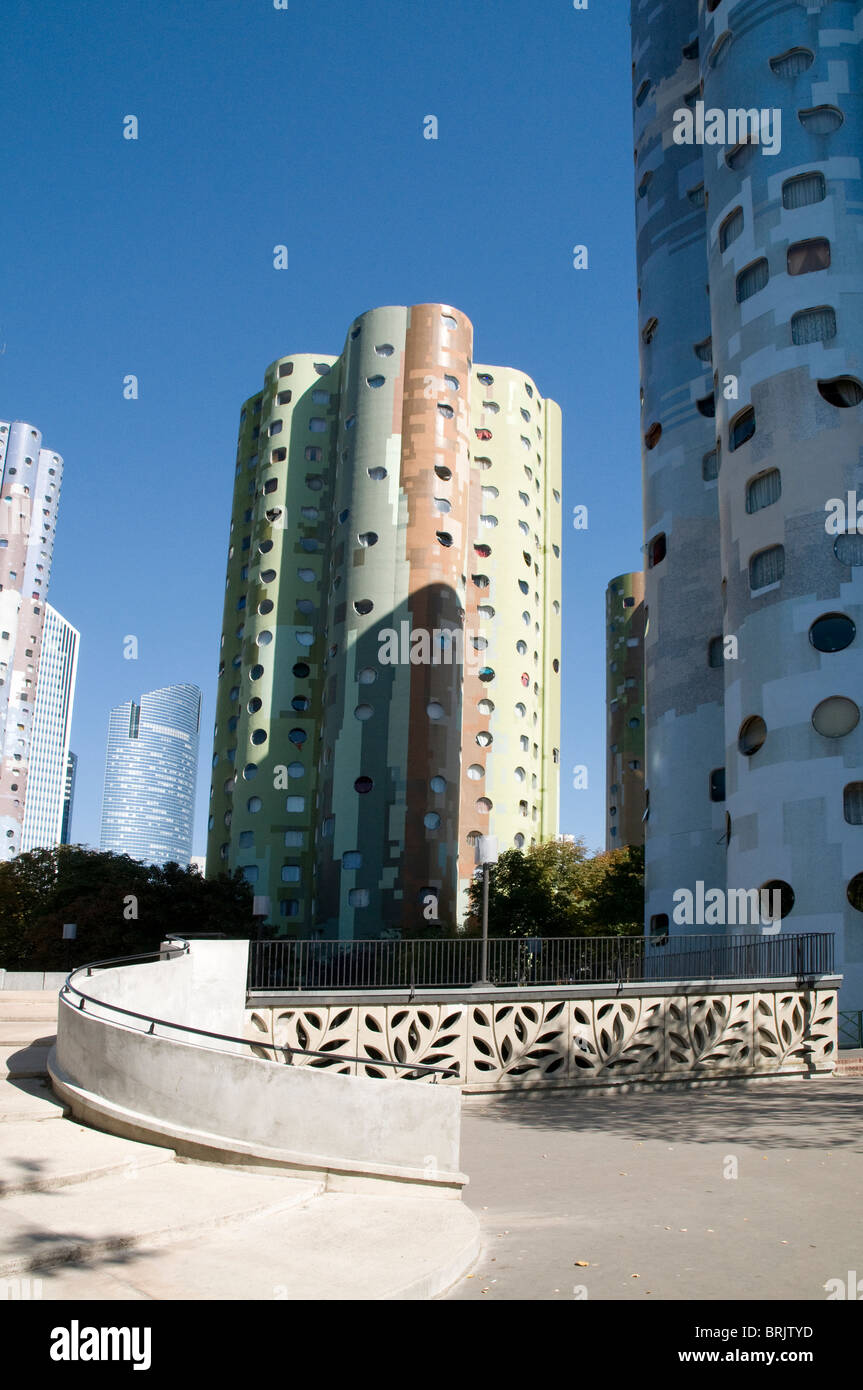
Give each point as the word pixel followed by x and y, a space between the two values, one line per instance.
pixel 482 1047
pixel 785 1031
pixel 479 1017
pixel 583 1063
pixel 580 1016
pixel 502 1013
pixel 766 1033
pixel 554 1066
pixel 764 1008
pixel 530 1013
pixel 677 1038
pixel 485 1066
pixel 604 1041
pixel 453 1018
pixel 797 1019
pixel 413 1037
pixel 399 1050
pixel 519 1029
pixel 373 1052
pixel 617 1029
pixel 257 1022
pixel 554 1011
pixel 603 1010
pixel 437 1059
pixel 447 1041
pixel 719 1007
pixel 549 1037
pixel 373 1071
pixel 313 1019
pixel 698 1037
pixel 628 1011
pixel 372 1024
pixel 424 1019
pixel 505 1051
pixel 340 1018
pixel 332 1044
pixel 674 1012
pixel 537 1053
pixel 302 1036
pixel 398 1018
pixel 678 1056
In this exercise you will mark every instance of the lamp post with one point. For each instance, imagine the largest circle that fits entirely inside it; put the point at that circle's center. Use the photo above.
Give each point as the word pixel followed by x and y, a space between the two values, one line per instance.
pixel 70 932
pixel 486 855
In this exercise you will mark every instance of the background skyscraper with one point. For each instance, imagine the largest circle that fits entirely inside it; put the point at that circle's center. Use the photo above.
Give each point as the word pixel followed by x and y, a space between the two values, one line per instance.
pixel 149 797
pixel 30 479
pixel 52 721
pixel 751 317
pixel 397 488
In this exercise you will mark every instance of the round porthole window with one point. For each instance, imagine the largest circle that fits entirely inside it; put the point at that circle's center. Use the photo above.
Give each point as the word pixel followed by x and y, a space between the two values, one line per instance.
pixel 835 716
pixel 832 633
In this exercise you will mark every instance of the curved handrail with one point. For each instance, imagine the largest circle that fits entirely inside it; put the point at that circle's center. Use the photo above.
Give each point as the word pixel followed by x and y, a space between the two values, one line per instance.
pixel 182 948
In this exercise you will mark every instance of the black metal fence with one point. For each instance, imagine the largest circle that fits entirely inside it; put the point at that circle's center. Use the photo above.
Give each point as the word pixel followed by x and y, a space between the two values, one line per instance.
pixel 455 963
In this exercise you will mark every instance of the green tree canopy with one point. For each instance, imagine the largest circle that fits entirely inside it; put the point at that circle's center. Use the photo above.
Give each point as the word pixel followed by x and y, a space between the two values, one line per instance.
pixel 558 889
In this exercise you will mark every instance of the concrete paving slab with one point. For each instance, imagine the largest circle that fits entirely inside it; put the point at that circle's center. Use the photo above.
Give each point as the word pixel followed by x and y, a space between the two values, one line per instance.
pixel 23 1031
pixel 26 1061
pixel 339 1247
pixel 29 1100
pixel 37 1157
pixel 156 1206
pixel 748 1192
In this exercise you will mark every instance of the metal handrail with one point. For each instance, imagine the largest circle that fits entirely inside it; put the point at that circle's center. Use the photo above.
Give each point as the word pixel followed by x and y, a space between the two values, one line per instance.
pixel 288 1051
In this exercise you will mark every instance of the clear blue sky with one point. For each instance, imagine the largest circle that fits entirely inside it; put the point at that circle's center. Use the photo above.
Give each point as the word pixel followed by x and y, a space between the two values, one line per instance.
pixel 154 257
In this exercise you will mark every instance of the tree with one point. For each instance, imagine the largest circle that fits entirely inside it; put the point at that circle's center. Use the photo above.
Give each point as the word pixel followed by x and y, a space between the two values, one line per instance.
pixel 557 889
pixel 119 906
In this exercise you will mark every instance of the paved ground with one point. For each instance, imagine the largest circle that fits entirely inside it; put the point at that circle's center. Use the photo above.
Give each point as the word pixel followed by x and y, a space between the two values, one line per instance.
pixel 634 1196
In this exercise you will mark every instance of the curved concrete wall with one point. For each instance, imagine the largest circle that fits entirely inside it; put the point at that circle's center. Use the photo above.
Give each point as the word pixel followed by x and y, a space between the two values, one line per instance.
pixel 218 1102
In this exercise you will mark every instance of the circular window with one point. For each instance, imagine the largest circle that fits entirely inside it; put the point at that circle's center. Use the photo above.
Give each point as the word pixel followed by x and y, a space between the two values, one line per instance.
pixel 438 784
pixel 259 736
pixel 520 710
pixel 555 666
pixel 250 771
pixel 444 538
pixel 367 676
pixel 377 475
pixel 483 805
pixel 343 515
pixel 854 892
pixel 254 804
pixel 376 382
pixel 832 633
pixel 300 670
pixel 444 473
pixel 484 738
pixel 306 639
pixel 486 673
pixel 486 706
pixel 483 550
pixel 786 895
pixel 475 772
pixel 480 643
pixel 254 705
pixel 521 648
pixel 519 842
pixel 363 712
pixel 485 610
pixel 265 547
pixel 842 391
pixel 298 736
pixel 266 606
pixel 835 716
pixel 362 606
pixel 520 774
pixel 384 349
pixel 300 703
pixel 363 785
pixel 306 575
pixel 267 576
pixel 305 605
pixel 367 538
pixel 434 710
pixel 753 732
pixel 431 820
pixel 652 437
pixel 264 639
pixel 256 673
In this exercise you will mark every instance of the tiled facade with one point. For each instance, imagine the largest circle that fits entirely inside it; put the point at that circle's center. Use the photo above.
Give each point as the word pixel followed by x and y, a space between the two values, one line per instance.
pixel 624 626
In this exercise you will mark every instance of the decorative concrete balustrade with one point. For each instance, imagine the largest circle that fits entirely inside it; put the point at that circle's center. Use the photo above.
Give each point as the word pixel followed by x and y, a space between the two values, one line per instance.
pixel 585 1036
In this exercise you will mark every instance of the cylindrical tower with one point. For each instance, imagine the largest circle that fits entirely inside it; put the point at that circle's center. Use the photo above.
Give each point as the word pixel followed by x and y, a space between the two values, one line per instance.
pixel 624 617
pixel 787 315
pixel 684 737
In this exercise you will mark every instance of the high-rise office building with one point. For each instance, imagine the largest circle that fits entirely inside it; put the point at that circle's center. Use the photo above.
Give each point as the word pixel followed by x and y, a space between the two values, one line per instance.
pixel 624 626
pixel 30 479
pixel 748 132
pixel 52 723
pixel 389 688
pixel 149 798
pixel 68 799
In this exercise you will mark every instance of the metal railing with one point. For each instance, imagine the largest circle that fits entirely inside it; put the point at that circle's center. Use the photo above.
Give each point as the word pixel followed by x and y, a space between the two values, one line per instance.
pixel 850 1028
pixel 410 1070
pixel 289 964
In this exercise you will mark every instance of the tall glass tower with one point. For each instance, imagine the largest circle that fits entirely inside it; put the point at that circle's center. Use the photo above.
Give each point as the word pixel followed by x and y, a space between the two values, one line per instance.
pixel 389 687
pixel 149 798
pixel 52 723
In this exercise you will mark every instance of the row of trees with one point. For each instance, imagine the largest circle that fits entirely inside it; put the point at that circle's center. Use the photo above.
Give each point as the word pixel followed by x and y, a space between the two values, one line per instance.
pixel 120 906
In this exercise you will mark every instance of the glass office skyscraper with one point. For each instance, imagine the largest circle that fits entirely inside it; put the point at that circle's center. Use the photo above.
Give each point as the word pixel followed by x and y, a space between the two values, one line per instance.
pixel 150 771
pixel 52 722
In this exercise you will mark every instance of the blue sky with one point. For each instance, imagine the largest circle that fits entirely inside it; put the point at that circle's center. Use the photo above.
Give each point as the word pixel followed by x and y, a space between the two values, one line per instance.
pixel 154 257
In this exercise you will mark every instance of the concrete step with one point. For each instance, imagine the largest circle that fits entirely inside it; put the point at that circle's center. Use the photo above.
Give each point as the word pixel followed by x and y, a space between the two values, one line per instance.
pixel 19 1032
pixel 29 1100
pixel 17 1003
pixel 153 1207
pixel 38 1158
pixel 26 1061
pixel 339 1247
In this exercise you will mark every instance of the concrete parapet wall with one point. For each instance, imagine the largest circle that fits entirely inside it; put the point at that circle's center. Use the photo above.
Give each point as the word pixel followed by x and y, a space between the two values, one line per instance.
pixel 586 1036
pixel 215 1102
